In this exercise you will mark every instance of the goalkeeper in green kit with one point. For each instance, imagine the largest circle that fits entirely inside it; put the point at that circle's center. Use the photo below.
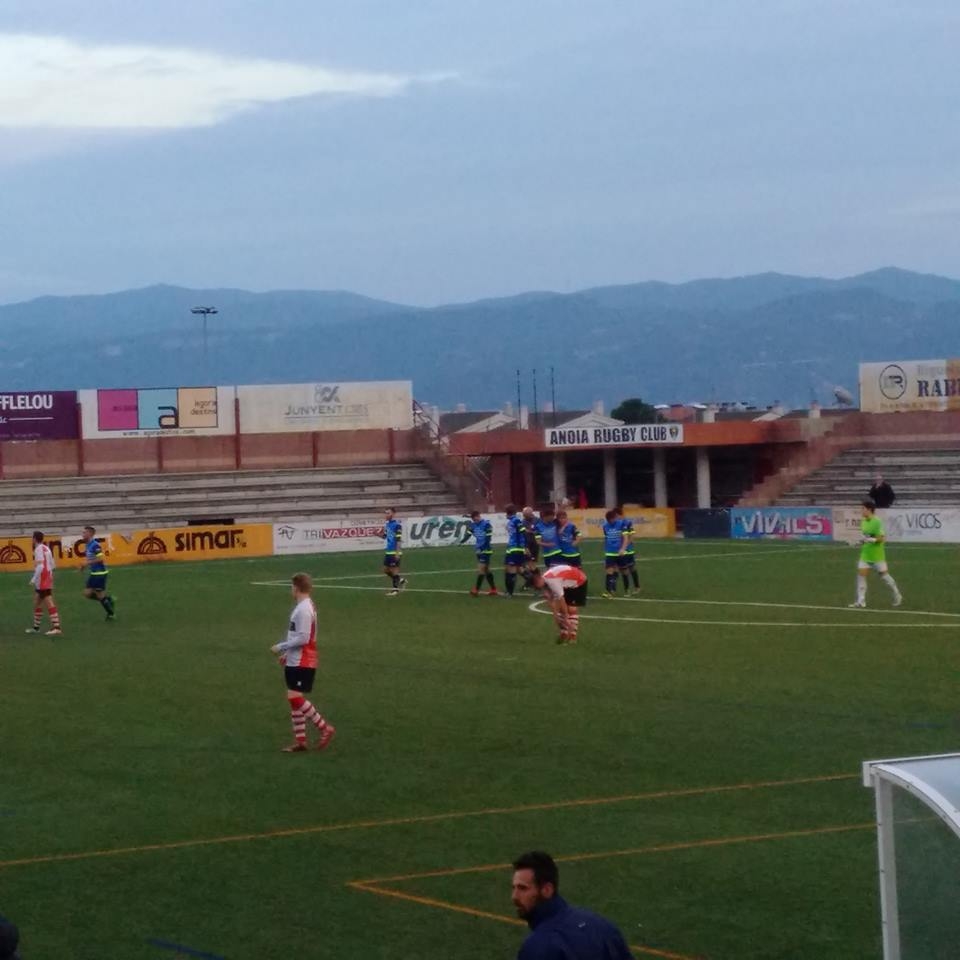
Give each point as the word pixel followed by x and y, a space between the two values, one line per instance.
pixel 873 555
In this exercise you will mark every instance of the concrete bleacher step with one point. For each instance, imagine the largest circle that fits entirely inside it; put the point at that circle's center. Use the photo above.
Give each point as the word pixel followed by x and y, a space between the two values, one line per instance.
pixel 138 501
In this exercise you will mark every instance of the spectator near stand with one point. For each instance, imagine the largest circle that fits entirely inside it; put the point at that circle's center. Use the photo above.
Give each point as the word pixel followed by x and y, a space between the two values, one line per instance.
pixel 881 493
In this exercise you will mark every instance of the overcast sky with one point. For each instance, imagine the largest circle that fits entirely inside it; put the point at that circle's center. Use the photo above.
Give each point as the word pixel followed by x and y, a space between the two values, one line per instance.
pixel 435 150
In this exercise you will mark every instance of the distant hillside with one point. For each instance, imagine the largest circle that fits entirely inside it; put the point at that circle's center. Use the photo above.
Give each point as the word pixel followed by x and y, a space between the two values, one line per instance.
pixel 761 338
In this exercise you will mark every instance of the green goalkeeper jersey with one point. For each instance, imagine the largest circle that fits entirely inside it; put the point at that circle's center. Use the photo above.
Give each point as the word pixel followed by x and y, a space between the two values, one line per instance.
pixel 872 552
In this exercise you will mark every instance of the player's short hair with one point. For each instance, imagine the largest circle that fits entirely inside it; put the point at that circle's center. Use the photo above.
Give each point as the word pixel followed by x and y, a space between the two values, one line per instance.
pixel 91 529
pixel 610 515
pixel 38 536
pixel 474 514
pixel 869 504
pixel 302 582
pixel 543 866
pixel 510 508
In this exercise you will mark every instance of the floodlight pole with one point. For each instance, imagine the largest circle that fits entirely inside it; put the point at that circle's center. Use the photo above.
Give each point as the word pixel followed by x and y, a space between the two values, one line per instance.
pixel 204 312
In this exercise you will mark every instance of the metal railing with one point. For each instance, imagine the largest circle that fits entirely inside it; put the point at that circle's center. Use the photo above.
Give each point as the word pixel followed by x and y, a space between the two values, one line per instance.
pixel 466 475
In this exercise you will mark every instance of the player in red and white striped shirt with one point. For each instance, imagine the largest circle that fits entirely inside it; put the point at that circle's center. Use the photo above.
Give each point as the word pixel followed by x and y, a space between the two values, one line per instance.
pixel 565 588
pixel 298 655
pixel 42 583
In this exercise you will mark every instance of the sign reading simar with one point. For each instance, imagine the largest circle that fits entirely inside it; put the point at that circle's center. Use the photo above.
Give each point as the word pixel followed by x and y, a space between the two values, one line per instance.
pixel 632 435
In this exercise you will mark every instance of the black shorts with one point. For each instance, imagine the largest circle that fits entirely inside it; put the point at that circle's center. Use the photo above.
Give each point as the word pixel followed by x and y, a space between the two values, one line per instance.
pixel 576 595
pixel 534 549
pixel 43 594
pixel 299 678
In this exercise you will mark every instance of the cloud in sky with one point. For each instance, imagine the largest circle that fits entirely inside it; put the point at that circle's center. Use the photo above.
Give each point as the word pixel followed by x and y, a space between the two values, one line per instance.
pixel 51 82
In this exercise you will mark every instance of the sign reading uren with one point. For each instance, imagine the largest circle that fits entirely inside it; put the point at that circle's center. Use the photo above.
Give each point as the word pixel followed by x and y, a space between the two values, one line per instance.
pixel 628 435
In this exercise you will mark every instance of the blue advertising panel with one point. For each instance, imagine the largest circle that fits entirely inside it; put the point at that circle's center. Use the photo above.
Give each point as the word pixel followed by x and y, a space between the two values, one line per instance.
pixel 781 523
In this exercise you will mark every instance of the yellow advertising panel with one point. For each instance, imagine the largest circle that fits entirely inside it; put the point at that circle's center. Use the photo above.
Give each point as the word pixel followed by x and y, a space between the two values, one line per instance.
pixel 649 523
pixel 194 543
pixel 143 546
pixel 16 553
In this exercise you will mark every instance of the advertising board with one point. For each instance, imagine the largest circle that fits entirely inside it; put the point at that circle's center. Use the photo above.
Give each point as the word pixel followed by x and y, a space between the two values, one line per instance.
pixel 154 412
pixel 16 553
pixel 781 523
pixel 902 525
pixel 39 415
pixel 628 435
pixel 649 523
pixel 294 407
pixel 910 385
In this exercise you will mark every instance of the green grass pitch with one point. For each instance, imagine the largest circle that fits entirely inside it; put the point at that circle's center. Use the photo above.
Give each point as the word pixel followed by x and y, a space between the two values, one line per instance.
pixel 143 795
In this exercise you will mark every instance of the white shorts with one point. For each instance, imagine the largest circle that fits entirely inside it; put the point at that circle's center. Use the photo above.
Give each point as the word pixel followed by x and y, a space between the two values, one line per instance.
pixel 880 567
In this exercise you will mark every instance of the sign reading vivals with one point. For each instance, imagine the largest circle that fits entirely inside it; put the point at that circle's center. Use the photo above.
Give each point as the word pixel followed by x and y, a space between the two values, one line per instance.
pixel 629 435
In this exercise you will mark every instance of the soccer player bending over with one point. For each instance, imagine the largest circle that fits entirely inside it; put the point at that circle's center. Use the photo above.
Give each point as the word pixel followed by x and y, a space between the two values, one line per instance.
pixel 42 583
pixel 873 555
pixel 392 535
pixel 565 588
pixel 298 656
pixel 483 531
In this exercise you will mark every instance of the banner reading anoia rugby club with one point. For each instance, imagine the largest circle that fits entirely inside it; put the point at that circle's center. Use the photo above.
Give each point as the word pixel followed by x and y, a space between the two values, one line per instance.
pixel 910 385
pixel 628 435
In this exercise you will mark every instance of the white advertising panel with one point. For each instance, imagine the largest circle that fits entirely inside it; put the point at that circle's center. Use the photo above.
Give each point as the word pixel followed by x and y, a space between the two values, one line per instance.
pixel 628 435
pixel 910 385
pixel 157 412
pixel 336 536
pixel 902 525
pixel 294 407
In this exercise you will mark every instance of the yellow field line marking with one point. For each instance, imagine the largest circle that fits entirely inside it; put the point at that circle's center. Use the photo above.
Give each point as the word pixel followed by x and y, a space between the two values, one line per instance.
pixel 375 885
pixel 485 915
pixel 423 818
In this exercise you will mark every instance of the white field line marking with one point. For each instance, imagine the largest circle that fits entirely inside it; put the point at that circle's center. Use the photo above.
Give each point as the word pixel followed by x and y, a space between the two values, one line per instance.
pixel 786 606
pixel 755 623
pixel 739 553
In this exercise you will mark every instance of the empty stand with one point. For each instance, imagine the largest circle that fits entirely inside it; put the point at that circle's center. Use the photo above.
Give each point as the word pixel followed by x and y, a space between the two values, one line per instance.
pixel 174 499
pixel 919 478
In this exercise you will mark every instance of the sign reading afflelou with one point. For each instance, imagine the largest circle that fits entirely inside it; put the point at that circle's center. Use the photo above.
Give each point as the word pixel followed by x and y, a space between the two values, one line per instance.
pixel 629 435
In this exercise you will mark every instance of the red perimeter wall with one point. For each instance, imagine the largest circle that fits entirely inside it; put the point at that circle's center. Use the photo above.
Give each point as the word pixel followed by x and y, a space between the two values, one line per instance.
pixel 266 451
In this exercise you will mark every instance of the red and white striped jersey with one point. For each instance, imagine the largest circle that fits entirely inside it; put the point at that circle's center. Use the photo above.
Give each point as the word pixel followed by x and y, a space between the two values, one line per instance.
pixel 300 647
pixel 563 577
pixel 42 567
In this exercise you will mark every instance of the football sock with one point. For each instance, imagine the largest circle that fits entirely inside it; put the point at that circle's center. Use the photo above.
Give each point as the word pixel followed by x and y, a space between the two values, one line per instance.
pixel 311 713
pixel 479 581
pixel 611 583
pixel 396 581
pixel 511 581
pixel 626 581
pixel 37 613
pixel 573 622
pixel 107 604
pixel 636 579
pixel 491 581
pixel 861 589
pixel 54 618
pixel 891 583
pixel 298 721
pixel 527 576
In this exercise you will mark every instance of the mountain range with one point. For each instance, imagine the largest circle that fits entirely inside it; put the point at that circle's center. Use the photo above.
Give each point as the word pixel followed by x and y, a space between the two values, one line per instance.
pixel 757 339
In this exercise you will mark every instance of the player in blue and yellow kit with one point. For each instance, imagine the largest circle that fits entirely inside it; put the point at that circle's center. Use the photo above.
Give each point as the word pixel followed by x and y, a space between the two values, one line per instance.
pixel 548 539
pixel 482 530
pixel 628 563
pixel 569 538
pixel 614 548
pixel 96 567
pixel 516 555
pixel 392 535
